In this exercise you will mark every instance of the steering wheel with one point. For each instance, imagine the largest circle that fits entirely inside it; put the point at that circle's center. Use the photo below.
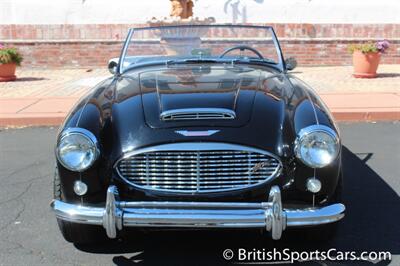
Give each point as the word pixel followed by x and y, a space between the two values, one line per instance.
pixel 241 48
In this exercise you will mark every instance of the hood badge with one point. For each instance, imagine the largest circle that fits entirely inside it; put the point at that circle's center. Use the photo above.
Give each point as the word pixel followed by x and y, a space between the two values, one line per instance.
pixel 256 167
pixel 202 133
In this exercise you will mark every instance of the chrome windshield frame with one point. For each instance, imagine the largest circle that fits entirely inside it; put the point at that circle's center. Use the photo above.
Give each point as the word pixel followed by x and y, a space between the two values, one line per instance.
pixel 279 65
pixel 123 51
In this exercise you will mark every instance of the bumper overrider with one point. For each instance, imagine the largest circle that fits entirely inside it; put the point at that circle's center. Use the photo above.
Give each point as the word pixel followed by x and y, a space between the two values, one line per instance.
pixel 269 215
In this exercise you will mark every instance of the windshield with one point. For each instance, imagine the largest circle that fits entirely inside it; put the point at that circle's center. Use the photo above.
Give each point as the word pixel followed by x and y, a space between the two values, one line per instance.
pixel 199 43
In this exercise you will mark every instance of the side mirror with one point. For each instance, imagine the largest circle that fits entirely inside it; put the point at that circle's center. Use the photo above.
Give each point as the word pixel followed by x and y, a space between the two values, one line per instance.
pixel 291 63
pixel 112 67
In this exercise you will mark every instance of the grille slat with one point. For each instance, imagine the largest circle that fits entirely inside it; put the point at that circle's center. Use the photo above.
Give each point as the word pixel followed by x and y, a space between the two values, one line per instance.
pixel 191 173
pixel 197 171
pixel 203 161
pixel 153 182
pixel 194 177
pixel 204 171
pixel 161 179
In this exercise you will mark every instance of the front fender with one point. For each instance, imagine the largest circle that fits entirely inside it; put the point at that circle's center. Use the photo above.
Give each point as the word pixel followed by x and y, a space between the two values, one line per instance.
pixel 92 112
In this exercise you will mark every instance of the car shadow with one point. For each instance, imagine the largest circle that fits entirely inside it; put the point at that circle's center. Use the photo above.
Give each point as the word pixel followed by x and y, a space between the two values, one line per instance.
pixel 371 224
pixel 295 72
pixel 388 75
pixel 26 79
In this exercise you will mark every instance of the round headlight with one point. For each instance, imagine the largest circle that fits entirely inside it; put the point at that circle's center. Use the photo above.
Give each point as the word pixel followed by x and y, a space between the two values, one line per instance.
pixel 317 146
pixel 77 149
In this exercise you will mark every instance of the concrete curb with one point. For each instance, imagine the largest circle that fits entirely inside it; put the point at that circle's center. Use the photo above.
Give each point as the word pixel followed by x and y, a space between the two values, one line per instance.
pixel 57 119
pixel 351 107
pixel 24 120
pixel 359 116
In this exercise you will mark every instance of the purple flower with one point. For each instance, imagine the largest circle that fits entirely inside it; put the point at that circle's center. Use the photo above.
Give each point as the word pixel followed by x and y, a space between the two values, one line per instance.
pixel 1 46
pixel 382 45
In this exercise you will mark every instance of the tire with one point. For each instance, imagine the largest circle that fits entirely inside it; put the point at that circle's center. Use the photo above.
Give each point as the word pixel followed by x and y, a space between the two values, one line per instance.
pixel 81 234
pixel 74 232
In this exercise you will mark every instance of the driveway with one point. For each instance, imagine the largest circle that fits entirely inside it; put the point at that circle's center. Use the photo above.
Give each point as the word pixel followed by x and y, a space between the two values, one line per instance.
pixel 29 233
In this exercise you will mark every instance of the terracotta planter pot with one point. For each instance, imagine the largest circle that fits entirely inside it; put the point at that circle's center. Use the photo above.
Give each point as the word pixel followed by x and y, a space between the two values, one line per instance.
pixel 365 65
pixel 7 72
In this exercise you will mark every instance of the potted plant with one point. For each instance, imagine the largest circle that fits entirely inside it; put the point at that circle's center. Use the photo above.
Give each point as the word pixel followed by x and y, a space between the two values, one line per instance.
pixel 366 58
pixel 10 58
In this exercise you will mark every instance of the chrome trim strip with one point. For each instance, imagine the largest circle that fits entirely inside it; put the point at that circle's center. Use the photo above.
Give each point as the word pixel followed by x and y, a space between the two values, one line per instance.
pixel 317 128
pixel 269 215
pixel 196 133
pixel 199 146
pixel 196 114
pixel 194 146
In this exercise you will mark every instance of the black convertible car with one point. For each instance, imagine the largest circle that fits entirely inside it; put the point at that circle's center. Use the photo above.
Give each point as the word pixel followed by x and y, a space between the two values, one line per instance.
pixel 201 126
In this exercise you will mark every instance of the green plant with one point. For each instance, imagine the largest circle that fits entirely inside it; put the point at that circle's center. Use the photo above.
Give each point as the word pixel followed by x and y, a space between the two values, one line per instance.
pixel 10 55
pixel 369 47
pixel 363 47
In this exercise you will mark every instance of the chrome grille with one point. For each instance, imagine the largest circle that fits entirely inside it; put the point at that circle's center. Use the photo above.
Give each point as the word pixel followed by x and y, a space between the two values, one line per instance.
pixel 200 170
pixel 197 114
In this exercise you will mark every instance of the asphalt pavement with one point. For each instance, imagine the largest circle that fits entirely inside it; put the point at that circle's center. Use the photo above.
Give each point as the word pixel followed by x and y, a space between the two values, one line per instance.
pixel 29 234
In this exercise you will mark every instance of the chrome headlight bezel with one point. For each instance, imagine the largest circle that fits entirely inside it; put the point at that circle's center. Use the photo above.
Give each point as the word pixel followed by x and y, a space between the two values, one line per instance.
pixel 314 129
pixel 89 137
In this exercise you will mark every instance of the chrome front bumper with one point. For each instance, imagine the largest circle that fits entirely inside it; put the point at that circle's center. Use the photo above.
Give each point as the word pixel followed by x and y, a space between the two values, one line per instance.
pixel 269 215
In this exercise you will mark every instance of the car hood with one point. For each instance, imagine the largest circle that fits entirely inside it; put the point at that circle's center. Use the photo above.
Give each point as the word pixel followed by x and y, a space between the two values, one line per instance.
pixel 257 96
pixel 198 96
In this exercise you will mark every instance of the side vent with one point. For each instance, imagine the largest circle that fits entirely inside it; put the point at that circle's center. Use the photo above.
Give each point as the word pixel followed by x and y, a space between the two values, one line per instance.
pixel 197 114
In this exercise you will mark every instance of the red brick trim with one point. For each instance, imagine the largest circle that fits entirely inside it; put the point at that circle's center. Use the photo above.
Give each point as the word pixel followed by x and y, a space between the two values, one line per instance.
pixel 93 45
pixel 95 54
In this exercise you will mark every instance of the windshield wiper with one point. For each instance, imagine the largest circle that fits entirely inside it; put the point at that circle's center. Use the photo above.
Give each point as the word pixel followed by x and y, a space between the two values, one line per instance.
pixel 257 60
pixel 252 60
pixel 198 60
pixel 191 60
pixel 208 60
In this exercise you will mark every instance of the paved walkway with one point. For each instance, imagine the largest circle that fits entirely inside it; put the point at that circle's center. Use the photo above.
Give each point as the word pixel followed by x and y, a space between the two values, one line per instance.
pixel 339 79
pixel 44 97
pixel 44 83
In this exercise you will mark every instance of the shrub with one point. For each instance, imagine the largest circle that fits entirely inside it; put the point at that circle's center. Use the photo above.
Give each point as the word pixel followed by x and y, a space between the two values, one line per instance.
pixel 10 55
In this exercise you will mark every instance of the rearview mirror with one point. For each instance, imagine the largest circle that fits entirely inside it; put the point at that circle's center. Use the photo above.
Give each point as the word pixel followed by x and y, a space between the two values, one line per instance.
pixel 112 67
pixel 291 63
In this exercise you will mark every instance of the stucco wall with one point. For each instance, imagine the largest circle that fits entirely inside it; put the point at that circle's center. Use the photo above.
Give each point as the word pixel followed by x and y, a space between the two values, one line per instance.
pixel 135 11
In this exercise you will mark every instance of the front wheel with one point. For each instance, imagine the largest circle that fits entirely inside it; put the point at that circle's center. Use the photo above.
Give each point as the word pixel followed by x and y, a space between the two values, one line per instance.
pixel 81 233
pixel 74 232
